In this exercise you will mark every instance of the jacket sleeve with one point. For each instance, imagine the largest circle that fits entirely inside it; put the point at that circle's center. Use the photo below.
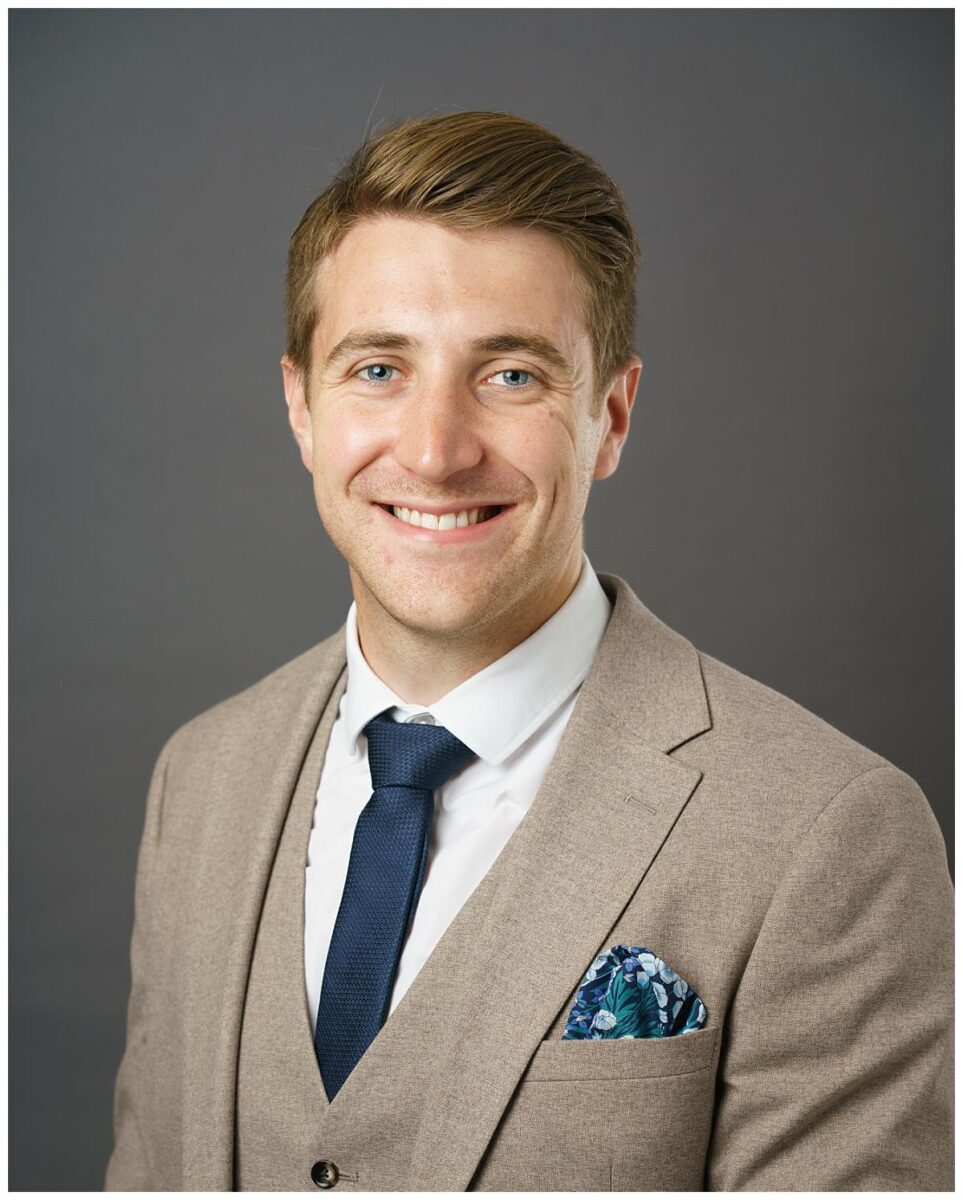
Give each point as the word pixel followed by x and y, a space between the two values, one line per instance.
pixel 836 1069
pixel 129 1167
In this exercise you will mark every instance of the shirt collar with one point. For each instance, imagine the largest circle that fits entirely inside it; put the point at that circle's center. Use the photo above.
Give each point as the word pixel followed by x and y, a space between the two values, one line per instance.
pixel 500 707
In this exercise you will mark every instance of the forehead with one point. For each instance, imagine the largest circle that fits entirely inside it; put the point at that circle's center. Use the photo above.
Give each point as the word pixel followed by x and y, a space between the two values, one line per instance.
pixel 429 280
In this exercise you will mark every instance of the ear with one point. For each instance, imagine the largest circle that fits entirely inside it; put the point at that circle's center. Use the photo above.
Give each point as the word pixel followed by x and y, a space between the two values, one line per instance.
pixel 299 416
pixel 616 412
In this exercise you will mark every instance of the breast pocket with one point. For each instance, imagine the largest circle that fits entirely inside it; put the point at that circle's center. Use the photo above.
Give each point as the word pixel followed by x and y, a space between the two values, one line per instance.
pixel 629 1114
pixel 621 1058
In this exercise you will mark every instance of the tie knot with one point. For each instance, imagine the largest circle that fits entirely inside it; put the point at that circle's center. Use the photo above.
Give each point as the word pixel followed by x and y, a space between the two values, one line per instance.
pixel 412 755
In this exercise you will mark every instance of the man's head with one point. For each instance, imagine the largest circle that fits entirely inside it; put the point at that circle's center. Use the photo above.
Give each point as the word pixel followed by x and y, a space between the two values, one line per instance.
pixel 461 313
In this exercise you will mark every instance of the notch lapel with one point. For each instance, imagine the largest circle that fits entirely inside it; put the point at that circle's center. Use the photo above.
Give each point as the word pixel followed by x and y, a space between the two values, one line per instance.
pixel 605 807
pixel 566 876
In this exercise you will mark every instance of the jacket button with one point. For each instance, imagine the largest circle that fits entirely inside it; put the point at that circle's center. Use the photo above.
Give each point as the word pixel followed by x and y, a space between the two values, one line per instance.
pixel 324 1173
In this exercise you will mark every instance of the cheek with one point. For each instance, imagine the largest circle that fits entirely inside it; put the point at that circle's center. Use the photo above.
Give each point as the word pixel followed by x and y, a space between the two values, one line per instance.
pixel 546 452
pixel 343 448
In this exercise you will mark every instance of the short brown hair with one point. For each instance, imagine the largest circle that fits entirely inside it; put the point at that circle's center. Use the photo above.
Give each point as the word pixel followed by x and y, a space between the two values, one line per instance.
pixel 479 170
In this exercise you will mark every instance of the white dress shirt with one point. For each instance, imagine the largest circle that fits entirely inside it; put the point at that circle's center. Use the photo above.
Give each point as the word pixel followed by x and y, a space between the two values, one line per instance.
pixel 511 714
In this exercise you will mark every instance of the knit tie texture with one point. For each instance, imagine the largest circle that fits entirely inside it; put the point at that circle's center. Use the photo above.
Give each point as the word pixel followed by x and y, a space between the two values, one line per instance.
pixel 385 874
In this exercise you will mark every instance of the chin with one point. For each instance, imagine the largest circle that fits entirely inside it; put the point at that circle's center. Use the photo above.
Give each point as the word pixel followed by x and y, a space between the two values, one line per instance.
pixel 432 610
pixel 438 616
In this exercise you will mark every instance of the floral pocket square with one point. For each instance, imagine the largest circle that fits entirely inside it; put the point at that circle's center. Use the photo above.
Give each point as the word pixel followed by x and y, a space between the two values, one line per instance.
pixel 631 992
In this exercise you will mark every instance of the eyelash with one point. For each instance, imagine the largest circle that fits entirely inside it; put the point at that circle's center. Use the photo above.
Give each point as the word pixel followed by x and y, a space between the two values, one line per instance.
pixel 384 382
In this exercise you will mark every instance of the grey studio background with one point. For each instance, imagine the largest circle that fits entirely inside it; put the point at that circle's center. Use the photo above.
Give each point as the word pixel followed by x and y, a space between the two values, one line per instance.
pixel 785 495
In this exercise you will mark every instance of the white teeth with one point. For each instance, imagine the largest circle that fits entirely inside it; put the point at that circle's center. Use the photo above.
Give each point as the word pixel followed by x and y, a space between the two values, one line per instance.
pixel 411 516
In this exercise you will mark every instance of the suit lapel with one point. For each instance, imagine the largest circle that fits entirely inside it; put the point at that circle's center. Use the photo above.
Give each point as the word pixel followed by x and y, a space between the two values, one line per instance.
pixel 606 805
pixel 244 817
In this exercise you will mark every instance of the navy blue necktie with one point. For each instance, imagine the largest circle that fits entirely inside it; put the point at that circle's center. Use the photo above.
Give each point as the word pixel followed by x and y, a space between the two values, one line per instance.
pixel 385 873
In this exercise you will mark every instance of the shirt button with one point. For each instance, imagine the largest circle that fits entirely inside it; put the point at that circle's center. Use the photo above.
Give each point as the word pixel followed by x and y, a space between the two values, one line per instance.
pixel 324 1174
pixel 421 719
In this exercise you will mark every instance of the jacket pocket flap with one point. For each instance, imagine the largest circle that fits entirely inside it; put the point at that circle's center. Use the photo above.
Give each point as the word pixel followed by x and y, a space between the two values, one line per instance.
pixel 624 1058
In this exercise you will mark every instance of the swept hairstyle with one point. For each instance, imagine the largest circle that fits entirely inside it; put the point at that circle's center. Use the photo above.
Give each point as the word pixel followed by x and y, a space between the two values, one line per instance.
pixel 480 170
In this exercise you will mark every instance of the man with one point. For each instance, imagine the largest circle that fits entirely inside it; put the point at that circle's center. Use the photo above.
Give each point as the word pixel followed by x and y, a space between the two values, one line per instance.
pixel 504 885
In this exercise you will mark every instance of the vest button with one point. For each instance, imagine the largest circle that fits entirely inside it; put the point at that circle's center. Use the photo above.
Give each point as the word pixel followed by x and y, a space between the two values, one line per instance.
pixel 324 1173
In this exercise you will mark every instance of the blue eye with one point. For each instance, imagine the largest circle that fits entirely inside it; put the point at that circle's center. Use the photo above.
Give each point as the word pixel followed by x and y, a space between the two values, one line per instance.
pixel 515 371
pixel 376 367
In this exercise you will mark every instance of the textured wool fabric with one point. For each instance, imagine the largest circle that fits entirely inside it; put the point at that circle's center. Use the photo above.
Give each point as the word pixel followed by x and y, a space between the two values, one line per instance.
pixel 797 880
pixel 385 876
pixel 279 1099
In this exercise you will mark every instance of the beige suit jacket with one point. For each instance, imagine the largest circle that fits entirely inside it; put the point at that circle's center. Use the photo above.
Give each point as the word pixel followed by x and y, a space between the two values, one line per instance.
pixel 797 880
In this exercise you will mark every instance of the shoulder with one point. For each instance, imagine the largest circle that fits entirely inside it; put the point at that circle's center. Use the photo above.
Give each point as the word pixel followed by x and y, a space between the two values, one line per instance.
pixel 747 712
pixel 788 765
pixel 264 706
pixel 739 732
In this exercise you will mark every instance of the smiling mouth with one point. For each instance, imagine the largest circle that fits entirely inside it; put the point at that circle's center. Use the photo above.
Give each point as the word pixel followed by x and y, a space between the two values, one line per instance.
pixel 454 519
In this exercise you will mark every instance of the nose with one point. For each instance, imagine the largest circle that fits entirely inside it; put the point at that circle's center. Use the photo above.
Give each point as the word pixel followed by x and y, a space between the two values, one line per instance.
pixel 437 434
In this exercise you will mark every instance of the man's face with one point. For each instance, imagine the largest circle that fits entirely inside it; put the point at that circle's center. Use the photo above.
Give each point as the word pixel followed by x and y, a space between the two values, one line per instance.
pixel 452 371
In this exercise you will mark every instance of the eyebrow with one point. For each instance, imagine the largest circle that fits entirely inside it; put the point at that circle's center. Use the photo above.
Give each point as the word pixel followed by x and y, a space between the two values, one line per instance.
pixel 511 341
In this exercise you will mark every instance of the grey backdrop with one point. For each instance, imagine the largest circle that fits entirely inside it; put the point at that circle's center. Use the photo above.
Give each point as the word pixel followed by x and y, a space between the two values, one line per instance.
pixel 785 495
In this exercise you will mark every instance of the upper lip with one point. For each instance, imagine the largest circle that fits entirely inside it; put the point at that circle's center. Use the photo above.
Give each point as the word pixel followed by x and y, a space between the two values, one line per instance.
pixel 438 509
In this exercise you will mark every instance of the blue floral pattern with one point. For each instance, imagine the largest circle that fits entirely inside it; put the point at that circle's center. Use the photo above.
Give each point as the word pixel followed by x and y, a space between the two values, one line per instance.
pixel 631 992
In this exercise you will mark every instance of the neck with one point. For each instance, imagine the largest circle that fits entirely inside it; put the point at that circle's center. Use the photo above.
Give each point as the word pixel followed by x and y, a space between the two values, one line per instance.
pixel 422 665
